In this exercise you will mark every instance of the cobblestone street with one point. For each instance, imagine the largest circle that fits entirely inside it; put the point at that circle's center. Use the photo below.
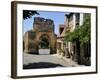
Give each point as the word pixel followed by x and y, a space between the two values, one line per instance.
pixel 46 61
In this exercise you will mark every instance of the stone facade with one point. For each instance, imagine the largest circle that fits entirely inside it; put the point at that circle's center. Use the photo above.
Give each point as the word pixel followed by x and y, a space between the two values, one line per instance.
pixel 73 50
pixel 41 36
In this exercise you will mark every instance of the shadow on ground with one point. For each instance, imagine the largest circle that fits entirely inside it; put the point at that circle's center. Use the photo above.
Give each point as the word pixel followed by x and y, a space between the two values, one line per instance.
pixel 33 53
pixel 41 65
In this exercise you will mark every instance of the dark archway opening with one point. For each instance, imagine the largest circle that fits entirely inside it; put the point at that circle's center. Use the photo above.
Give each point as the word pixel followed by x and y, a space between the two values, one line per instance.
pixel 44 42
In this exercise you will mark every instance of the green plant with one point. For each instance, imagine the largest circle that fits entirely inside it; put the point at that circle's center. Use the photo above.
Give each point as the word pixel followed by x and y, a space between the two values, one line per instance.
pixel 81 33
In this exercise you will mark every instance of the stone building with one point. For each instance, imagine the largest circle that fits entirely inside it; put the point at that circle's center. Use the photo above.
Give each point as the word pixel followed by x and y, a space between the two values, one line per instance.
pixel 60 40
pixel 79 53
pixel 73 50
pixel 42 36
pixel 73 21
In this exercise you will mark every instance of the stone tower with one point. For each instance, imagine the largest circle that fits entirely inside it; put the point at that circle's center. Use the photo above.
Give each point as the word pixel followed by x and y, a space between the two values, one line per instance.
pixel 43 30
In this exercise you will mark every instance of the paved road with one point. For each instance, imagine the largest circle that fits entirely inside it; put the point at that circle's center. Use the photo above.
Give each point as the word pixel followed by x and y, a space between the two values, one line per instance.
pixel 33 61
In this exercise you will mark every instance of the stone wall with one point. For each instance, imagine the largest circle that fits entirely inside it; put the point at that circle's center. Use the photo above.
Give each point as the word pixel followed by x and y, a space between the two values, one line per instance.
pixel 42 24
pixel 41 27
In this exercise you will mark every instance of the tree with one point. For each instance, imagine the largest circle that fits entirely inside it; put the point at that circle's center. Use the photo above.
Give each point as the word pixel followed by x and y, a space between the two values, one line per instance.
pixel 85 30
pixel 29 13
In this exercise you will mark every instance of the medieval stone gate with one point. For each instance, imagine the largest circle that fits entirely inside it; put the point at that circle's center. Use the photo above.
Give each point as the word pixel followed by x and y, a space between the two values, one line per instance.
pixel 41 36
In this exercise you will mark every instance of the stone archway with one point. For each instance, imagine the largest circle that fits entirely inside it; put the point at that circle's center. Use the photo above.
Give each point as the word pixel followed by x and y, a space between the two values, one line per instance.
pixel 44 44
pixel 41 36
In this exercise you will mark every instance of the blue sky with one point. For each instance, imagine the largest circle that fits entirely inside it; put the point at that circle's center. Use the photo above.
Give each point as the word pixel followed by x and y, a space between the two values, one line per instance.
pixel 57 17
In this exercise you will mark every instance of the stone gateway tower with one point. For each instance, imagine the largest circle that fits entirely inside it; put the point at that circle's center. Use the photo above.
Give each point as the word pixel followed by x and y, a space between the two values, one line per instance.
pixel 42 36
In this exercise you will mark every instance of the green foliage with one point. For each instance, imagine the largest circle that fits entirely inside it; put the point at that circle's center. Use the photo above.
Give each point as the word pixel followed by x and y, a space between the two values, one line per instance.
pixel 82 33
pixel 29 13
pixel 72 36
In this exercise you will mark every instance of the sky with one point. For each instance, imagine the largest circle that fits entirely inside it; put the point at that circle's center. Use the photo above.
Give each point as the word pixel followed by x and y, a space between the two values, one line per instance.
pixel 57 17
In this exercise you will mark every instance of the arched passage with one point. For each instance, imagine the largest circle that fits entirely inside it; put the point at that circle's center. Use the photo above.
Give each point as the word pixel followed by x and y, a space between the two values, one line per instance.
pixel 44 41
pixel 44 44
